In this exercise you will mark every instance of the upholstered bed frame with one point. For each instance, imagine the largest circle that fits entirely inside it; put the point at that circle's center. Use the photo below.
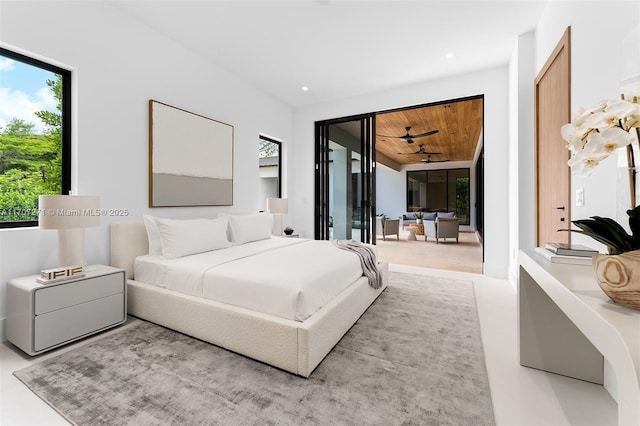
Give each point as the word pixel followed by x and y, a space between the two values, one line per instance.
pixel 293 346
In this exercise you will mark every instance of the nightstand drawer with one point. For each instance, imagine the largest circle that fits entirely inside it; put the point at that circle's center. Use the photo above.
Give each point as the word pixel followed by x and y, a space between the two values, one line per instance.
pixel 59 296
pixel 54 328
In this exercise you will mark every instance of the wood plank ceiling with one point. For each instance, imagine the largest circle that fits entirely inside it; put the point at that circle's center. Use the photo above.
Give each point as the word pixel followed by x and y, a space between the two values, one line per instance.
pixel 458 124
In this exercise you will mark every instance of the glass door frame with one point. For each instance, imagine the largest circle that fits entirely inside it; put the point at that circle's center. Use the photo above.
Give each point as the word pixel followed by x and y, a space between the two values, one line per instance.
pixel 367 184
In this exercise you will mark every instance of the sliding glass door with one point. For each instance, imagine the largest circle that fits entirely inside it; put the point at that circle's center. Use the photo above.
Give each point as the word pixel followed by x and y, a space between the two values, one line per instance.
pixel 344 182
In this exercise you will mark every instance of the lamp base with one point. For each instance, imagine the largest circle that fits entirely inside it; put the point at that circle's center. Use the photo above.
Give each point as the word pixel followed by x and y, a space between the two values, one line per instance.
pixel 276 228
pixel 71 247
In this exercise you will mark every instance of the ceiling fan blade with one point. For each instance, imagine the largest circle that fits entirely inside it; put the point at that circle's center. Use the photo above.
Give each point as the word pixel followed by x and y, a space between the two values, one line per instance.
pixel 419 153
pixel 395 137
pixel 405 137
pixel 429 160
pixel 429 133
pixel 409 137
pixel 435 161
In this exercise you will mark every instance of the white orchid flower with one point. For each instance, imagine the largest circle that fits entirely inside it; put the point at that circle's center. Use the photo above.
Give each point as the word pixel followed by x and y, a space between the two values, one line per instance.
pixel 619 109
pixel 596 132
pixel 583 164
pixel 607 141
pixel 576 137
pixel 584 114
pixel 569 133
pixel 613 113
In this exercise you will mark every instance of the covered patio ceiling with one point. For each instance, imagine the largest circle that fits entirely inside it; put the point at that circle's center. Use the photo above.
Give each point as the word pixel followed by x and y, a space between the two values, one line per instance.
pixel 458 125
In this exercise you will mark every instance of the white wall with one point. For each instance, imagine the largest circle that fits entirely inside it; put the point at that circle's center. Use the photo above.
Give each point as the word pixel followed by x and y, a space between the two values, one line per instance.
pixel 493 83
pixel 118 65
pixel 391 191
pixel 521 150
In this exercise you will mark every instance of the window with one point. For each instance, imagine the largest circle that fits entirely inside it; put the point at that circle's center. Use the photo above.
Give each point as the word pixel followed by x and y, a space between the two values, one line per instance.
pixel 35 137
pixel 270 169
pixel 439 191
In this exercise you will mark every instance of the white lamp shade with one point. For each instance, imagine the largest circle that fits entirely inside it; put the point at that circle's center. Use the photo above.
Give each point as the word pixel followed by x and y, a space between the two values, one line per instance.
pixel 278 205
pixel 68 211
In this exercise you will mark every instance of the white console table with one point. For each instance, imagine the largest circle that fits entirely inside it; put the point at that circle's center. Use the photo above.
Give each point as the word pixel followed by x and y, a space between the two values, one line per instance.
pixel 568 326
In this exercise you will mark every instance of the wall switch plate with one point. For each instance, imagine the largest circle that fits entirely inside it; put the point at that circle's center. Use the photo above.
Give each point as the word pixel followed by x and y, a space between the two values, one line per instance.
pixel 580 197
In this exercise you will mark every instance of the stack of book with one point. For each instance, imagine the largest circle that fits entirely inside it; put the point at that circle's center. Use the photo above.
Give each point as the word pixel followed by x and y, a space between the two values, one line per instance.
pixel 576 254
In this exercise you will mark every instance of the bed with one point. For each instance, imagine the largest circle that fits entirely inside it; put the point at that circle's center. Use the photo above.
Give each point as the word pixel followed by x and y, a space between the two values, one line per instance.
pixel 295 342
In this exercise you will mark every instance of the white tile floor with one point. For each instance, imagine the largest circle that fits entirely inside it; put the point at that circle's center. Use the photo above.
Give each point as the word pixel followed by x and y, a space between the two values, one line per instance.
pixel 521 396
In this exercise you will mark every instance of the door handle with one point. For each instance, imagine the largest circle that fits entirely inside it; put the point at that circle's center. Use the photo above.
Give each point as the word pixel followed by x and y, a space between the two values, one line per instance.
pixel 559 208
pixel 562 219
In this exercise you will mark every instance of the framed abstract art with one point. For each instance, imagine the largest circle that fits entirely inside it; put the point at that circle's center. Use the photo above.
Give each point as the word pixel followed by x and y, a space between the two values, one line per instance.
pixel 190 159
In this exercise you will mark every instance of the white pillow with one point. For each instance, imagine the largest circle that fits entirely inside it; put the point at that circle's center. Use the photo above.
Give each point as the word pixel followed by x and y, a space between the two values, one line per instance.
pixel 153 234
pixel 182 237
pixel 249 227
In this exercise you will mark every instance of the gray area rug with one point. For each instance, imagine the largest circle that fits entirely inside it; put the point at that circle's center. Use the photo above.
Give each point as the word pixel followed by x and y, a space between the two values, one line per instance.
pixel 414 358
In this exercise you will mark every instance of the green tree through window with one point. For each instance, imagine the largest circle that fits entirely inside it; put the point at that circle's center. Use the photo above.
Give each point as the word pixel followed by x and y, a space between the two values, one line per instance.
pixel 33 146
pixel 462 196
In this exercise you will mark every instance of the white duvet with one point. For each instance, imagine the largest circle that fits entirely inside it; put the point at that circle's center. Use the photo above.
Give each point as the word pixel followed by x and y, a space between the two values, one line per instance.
pixel 286 277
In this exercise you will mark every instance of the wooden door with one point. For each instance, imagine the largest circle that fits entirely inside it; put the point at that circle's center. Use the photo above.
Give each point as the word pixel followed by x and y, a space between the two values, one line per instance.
pixel 553 177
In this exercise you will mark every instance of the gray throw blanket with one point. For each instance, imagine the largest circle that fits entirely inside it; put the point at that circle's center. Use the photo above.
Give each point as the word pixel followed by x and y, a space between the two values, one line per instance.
pixel 368 260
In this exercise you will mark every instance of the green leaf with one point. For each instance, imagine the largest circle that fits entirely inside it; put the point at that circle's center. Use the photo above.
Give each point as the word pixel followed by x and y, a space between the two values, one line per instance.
pixel 607 231
pixel 634 225
pixel 607 228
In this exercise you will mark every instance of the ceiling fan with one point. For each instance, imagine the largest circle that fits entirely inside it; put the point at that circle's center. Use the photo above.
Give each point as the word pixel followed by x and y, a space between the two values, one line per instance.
pixel 429 160
pixel 420 151
pixel 409 137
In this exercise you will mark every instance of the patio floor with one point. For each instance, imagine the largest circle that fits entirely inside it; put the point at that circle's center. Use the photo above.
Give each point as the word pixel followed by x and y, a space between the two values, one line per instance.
pixel 466 256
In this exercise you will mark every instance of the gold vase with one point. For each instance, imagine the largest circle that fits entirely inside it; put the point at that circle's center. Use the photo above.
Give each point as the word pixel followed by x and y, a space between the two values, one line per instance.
pixel 618 276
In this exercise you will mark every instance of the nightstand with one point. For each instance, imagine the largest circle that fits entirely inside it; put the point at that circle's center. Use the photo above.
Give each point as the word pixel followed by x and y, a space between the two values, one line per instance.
pixel 41 317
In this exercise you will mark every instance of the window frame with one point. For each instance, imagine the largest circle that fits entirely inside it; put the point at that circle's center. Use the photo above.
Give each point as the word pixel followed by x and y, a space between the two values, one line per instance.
pixel 279 144
pixel 65 161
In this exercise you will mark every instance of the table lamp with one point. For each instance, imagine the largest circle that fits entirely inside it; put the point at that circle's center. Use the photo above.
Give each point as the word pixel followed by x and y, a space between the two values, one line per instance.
pixel 69 214
pixel 277 207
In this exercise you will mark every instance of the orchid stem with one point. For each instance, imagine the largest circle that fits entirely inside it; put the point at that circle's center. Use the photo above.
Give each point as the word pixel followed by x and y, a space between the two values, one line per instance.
pixel 632 170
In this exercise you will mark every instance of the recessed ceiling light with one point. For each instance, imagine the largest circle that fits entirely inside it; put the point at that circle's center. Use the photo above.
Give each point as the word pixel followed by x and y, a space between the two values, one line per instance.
pixel 449 55
pixel 305 88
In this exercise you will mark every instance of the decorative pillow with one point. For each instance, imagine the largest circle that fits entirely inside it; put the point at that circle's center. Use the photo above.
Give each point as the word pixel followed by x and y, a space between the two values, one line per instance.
pixel 429 216
pixel 182 237
pixel 448 214
pixel 153 234
pixel 249 227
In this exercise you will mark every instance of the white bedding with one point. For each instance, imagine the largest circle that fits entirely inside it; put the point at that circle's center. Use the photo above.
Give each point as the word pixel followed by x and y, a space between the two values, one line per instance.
pixel 286 277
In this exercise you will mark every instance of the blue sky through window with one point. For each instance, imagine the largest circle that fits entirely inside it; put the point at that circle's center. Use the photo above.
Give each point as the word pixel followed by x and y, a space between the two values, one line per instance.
pixel 23 91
